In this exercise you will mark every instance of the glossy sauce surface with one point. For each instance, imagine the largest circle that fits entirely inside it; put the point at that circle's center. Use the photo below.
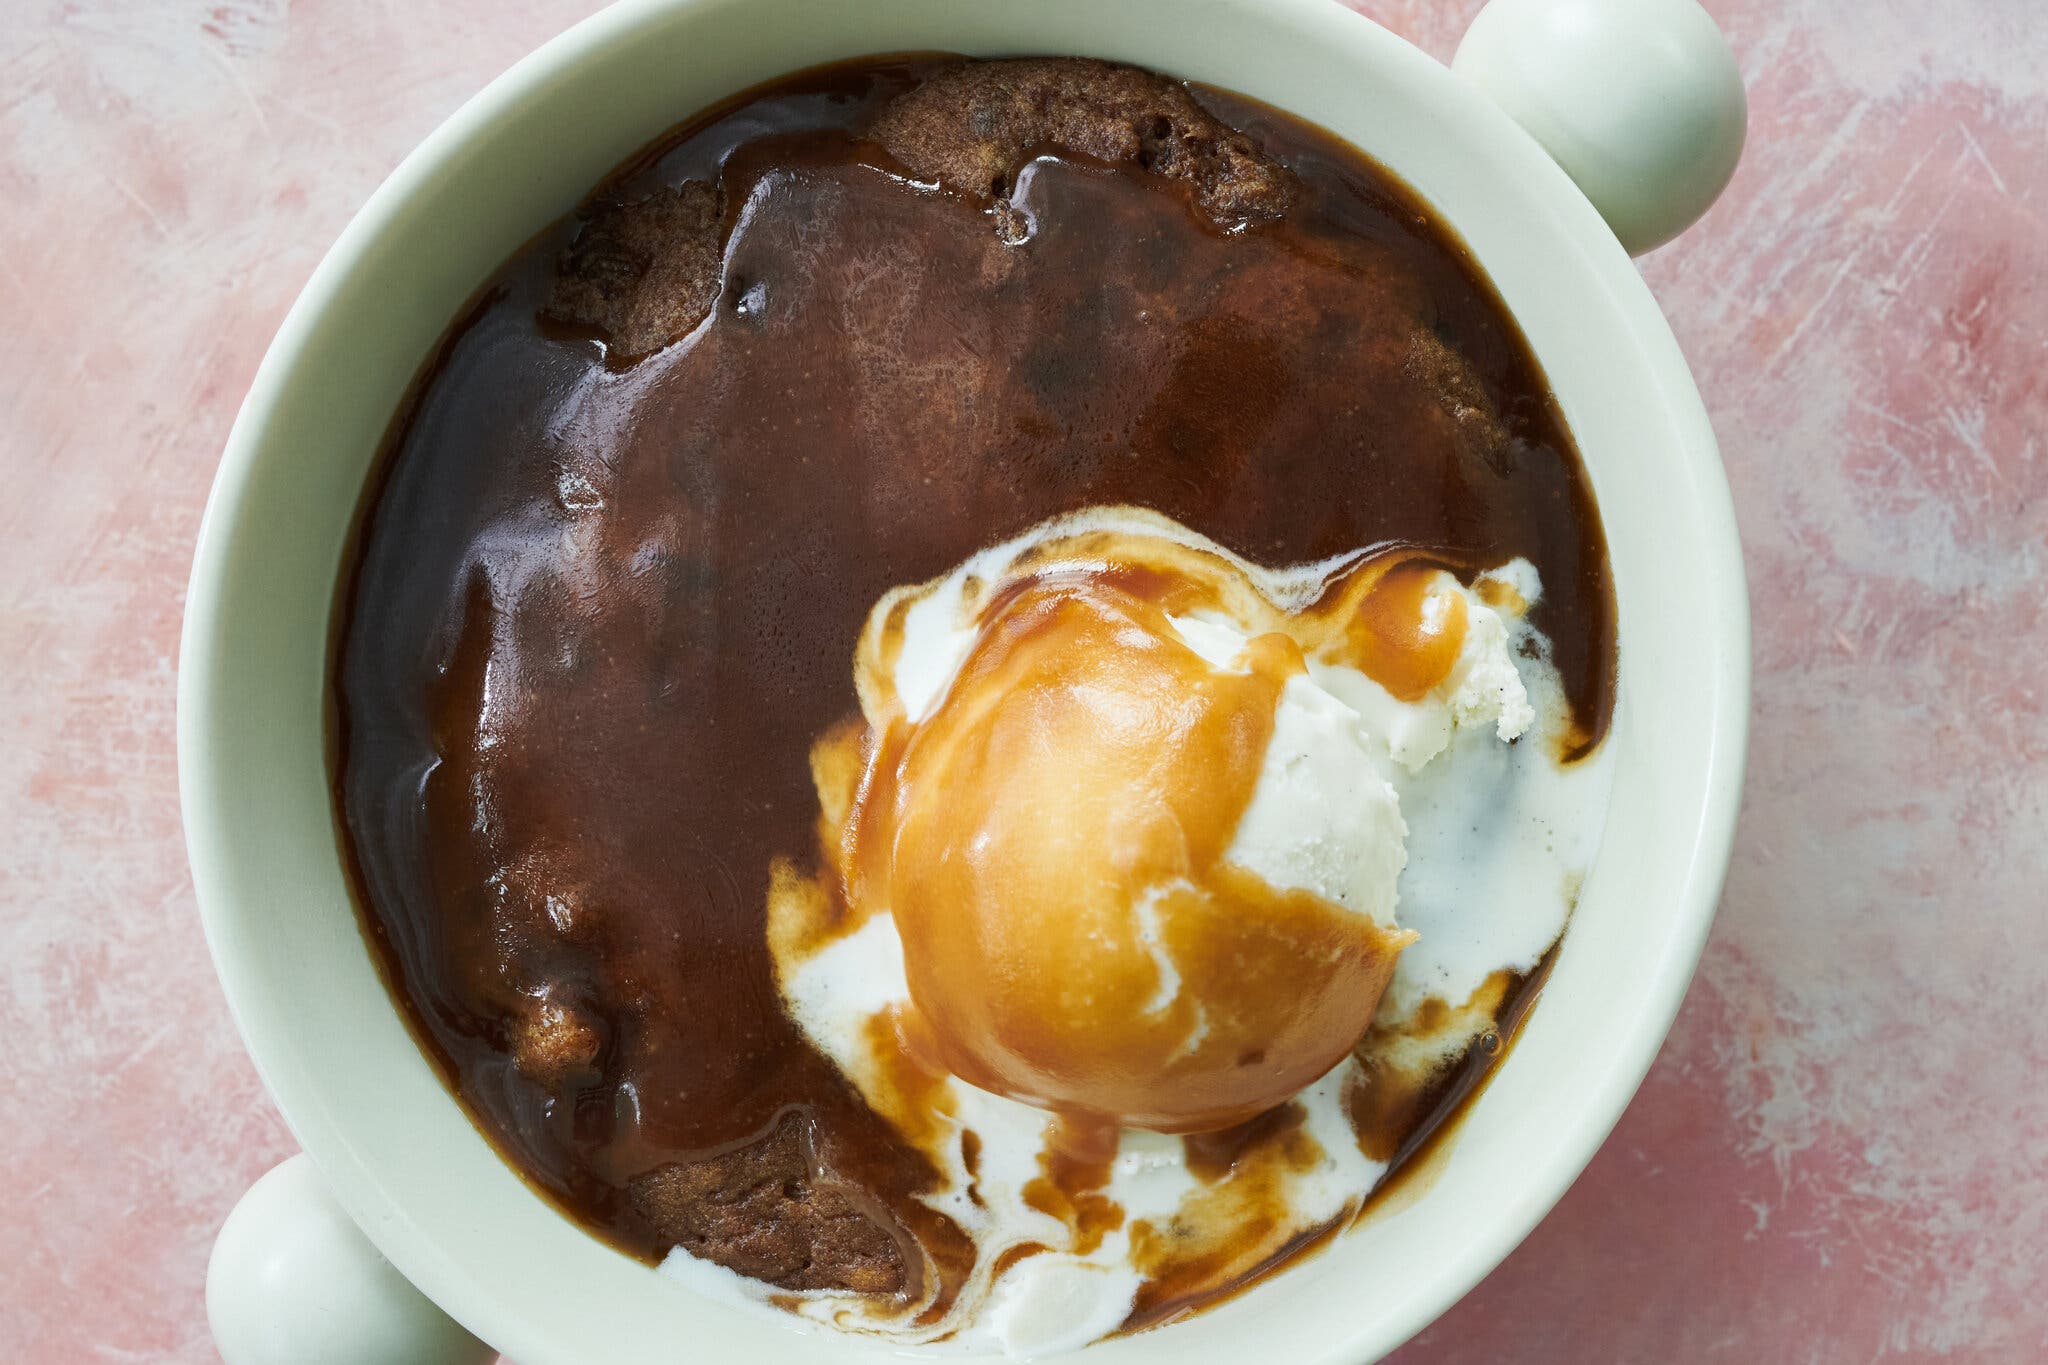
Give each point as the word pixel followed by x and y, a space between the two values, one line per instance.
pixel 602 612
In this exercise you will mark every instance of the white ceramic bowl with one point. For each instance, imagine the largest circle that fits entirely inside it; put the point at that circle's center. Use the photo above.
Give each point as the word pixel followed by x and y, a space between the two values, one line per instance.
pixel 392 1144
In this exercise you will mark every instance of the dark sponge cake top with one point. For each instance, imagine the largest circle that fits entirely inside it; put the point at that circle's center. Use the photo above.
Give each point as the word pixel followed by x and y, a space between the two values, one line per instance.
pixel 774 1211
pixel 642 274
pixel 972 125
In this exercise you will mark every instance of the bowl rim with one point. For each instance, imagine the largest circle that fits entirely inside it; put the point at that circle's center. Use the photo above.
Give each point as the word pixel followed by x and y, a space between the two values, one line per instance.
pixel 295 1084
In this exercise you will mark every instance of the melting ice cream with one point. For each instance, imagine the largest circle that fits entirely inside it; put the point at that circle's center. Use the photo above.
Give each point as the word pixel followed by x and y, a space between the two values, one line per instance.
pixel 1150 873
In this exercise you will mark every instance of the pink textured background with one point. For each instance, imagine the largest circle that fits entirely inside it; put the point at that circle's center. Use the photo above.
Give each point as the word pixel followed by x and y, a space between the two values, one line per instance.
pixel 1843 1152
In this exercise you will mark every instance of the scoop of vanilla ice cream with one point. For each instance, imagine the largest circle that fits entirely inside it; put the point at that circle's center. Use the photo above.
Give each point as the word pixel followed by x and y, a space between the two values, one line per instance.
pixel 1484 685
pixel 1482 688
pixel 1323 816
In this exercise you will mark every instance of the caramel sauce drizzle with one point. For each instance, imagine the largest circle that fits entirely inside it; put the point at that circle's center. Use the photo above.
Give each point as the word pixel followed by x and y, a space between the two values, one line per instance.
pixel 1078 783
pixel 1084 755
pixel 1076 1164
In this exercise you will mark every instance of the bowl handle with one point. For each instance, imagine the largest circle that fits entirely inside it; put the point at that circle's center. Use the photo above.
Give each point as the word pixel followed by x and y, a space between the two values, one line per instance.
pixel 293 1281
pixel 1640 101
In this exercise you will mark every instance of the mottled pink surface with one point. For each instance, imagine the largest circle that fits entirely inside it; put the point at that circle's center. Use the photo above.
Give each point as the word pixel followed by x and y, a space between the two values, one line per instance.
pixel 1843 1152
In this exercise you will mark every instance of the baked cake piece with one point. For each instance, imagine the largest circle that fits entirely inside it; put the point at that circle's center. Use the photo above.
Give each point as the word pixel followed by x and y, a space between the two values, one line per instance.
pixel 971 126
pixel 774 1212
pixel 643 274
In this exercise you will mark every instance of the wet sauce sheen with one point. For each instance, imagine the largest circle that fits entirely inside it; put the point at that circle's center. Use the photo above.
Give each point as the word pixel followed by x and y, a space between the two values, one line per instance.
pixel 601 613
